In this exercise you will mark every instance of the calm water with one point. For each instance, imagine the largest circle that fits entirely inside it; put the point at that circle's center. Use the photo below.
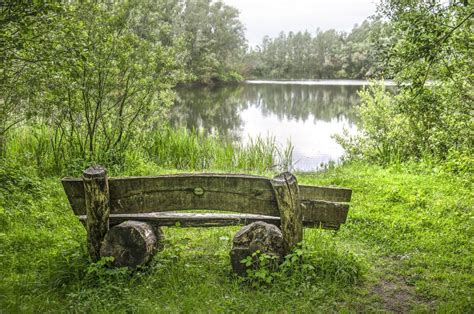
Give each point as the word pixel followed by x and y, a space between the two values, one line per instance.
pixel 307 113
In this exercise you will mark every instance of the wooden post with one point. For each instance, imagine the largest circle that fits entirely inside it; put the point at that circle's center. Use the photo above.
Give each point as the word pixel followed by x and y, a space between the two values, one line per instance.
pixel 96 188
pixel 286 191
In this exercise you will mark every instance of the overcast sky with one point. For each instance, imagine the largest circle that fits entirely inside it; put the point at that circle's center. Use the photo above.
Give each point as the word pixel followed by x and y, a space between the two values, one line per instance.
pixel 269 17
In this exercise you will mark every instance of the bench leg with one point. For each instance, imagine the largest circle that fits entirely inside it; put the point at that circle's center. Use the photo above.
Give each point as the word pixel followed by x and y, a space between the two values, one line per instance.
pixel 132 243
pixel 96 188
pixel 287 195
pixel 260 236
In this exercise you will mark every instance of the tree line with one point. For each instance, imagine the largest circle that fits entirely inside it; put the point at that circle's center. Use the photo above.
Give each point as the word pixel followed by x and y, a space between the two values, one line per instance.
pixel 325 55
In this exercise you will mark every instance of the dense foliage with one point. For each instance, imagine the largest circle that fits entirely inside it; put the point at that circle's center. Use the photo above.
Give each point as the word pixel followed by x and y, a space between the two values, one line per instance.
pixel 25 46
pixel 324 55
pixel 214 40
pixel 98 72
pixel 430 55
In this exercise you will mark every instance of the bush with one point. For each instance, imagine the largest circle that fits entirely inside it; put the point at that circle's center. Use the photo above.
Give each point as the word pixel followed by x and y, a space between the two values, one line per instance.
pixel 397 128
pixel 384 136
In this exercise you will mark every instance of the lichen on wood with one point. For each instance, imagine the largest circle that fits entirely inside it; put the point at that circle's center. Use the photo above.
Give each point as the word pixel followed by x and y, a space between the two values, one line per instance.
pixel 258 236
pixel 96 192
pixel 287 196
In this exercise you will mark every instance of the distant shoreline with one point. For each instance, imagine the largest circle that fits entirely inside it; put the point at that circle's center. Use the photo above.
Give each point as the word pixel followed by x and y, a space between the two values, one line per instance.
pixel 319 82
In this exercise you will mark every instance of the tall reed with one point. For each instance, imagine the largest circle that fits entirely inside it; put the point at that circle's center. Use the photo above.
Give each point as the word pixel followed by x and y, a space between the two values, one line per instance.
pixel 164 148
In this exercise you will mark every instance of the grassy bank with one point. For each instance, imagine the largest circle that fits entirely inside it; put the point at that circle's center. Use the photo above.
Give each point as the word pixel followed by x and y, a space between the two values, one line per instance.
pixel 407 246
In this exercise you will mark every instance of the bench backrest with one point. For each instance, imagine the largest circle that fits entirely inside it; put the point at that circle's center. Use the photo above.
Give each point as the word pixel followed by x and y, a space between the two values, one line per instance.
pixel 321 206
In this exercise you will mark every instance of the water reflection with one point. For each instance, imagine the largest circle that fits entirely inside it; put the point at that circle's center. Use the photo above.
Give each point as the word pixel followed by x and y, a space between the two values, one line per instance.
pixel 305 114
pixel 299 102
pixel 210 109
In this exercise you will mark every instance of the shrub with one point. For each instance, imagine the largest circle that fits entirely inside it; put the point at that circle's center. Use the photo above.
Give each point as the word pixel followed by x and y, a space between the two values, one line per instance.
pixel 384 136
pixel 396 128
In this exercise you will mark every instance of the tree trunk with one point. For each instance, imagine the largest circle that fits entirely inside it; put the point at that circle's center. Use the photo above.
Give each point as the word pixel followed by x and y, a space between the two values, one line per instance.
pixel 3 145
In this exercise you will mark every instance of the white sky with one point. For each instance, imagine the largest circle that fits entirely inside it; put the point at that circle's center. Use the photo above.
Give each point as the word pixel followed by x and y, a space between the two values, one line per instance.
pixel 269 17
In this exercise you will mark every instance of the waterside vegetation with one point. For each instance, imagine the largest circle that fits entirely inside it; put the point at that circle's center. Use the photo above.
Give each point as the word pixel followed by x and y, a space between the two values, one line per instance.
pixel 93 83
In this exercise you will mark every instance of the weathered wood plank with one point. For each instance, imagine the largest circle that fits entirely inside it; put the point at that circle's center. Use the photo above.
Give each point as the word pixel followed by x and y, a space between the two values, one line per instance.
pixel 328 215
pixel 74 189
pixel 238 193
pixel 170 219
pixel 96 192
pixel 287 195
pixel 235 193
pixel 127 191
pixel 330 194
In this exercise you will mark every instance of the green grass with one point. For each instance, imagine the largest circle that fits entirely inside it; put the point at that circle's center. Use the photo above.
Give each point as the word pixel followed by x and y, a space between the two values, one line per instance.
pixel 148 152
pixel 407 246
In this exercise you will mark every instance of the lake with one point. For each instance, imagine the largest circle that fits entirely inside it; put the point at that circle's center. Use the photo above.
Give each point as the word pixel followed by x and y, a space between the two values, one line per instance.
pixel 307 113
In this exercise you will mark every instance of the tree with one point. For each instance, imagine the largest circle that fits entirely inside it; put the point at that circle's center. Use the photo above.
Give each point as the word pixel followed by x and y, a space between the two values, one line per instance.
pixel 25 52
pixel 116 78
pixel 214 39
pixel 431 57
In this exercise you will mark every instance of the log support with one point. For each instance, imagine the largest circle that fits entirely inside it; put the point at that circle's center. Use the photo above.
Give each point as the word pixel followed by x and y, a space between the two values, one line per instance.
pixel 132 243
pixel 287 196
pixel 96 188
pixel 258 236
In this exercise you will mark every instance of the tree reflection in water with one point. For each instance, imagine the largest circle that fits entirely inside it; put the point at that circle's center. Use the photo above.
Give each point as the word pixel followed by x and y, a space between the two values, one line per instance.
pixel 307 112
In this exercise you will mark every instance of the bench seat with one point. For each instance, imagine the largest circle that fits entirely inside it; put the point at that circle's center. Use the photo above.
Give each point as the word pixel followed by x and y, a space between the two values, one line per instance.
pixel 169 219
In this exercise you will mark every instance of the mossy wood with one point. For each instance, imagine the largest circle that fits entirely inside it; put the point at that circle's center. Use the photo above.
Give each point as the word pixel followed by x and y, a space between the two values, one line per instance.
pixel 135 204
pixel 146 197
pixel 96 201
pixel 131 243
pixel 287 195
pixel 172 219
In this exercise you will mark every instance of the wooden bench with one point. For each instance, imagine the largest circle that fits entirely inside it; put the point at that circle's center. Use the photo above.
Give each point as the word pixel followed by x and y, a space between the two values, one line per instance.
pixel 101 202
